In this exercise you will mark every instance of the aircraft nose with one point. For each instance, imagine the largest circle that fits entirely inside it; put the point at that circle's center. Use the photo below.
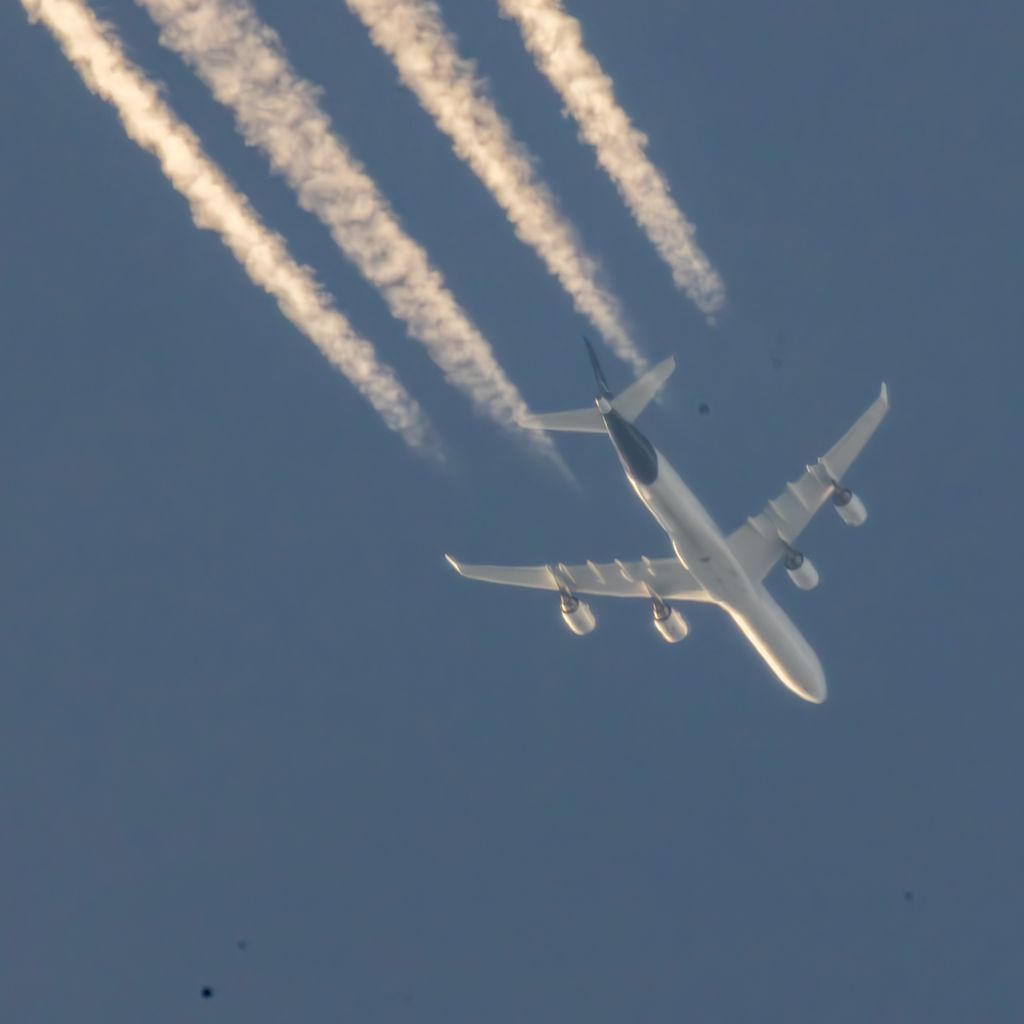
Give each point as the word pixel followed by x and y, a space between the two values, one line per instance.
pixel 818 693
pixel 814 687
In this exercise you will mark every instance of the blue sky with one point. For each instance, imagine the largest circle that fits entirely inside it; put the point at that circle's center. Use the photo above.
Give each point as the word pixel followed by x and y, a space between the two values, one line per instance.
pixel 242 697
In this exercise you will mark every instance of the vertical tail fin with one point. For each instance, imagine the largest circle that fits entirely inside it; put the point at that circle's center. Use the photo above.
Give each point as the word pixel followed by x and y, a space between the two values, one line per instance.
pixel 603 390
pixel 577 421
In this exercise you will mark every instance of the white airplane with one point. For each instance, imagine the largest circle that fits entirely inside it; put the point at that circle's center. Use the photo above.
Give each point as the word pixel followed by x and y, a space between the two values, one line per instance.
pixel 708 566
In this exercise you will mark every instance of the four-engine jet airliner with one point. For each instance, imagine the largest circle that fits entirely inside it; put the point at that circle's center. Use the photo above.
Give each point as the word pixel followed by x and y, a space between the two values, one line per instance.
pixel 708 566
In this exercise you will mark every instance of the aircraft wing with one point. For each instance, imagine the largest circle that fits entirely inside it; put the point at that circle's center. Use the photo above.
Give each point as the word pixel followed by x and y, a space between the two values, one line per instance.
pixel 761 541
pixel 665 576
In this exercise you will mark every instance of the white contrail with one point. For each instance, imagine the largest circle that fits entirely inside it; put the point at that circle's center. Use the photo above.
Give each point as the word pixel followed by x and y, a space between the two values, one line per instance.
pixel 96 53
pixel 413 34
pixel 556 42
pixel 243 63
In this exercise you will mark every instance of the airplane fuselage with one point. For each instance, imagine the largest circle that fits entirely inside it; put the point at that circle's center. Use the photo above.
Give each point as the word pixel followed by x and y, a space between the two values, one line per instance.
pixel 702 549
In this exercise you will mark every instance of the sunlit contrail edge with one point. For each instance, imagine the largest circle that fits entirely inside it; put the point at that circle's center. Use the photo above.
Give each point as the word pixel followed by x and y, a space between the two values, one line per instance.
pixel 243 63
pixel 413 34
pixel 555 40
pixel 94 50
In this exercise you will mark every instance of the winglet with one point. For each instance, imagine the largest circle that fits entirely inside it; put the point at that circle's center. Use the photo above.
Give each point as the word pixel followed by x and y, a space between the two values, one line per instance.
pixel 455 565
pixel 884 394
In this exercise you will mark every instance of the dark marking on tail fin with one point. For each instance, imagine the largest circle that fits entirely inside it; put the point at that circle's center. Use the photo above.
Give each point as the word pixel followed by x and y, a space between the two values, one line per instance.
pixel 603 390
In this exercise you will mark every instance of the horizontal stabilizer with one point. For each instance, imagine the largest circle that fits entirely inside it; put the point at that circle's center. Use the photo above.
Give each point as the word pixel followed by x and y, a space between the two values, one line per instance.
pixel 629 405
pixel 580 421
pixel 638 395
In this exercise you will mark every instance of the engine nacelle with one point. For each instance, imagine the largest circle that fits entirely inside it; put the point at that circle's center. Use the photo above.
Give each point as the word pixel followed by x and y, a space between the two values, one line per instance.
pixel 849 507
pixel 801 570
pixel 577 614
pixel 669 623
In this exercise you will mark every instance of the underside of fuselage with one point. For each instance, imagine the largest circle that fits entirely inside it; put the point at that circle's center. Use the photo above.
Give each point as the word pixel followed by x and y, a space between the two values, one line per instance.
pixel 704 552
pixel 772 634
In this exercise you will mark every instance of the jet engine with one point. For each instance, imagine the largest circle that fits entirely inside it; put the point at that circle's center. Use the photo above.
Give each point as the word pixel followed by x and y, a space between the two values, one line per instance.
pixel 669 623
pixel 577 614
pixel 801 570
pixel 849 507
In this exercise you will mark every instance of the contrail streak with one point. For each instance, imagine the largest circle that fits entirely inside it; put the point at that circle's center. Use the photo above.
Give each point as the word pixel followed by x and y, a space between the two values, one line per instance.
pixel 96 53
pixel 243 63
pixel 413 34
pixel 555 40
